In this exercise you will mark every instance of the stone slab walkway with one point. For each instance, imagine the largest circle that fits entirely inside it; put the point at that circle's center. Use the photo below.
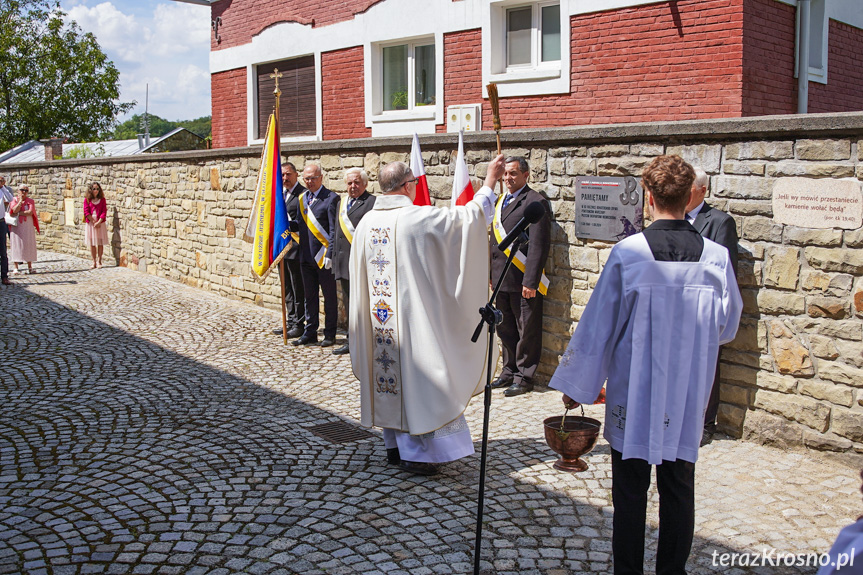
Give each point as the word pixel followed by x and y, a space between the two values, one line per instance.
pixel 147 427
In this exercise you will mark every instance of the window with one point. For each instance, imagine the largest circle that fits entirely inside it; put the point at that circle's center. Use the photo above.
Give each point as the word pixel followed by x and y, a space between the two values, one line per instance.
pixel 532 35
pixel 525 47
pixel 297 105
pixel 818 27
pixel 408 76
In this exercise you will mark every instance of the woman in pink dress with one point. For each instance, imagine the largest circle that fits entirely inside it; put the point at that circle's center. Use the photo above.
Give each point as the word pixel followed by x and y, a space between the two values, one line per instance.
pixel 95 230
pixel 23 236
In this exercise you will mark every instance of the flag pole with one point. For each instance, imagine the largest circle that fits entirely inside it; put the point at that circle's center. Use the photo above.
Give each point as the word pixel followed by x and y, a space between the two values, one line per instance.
pixel 282 265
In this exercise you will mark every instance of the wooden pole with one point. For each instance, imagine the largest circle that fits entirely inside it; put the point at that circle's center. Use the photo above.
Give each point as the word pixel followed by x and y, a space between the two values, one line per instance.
pixel 495 118
pixel 282 265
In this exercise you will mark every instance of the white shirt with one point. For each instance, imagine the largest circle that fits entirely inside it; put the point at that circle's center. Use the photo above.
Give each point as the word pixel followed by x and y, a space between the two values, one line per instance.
pixel 5 197
pixel 657 344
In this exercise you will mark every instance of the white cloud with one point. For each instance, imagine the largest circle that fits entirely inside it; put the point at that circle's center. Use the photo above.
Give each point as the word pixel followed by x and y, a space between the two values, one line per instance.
pixel 163 44
pixel 181 28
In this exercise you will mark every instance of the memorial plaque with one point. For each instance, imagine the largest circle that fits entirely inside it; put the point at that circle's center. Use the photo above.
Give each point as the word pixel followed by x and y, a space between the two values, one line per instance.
pixel 608 208
pixel 822 203
pixel 69 209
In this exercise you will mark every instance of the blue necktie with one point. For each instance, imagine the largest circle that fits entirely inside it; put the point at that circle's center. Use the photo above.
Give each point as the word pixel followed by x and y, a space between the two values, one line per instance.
pixel 507 200
pixel 350 204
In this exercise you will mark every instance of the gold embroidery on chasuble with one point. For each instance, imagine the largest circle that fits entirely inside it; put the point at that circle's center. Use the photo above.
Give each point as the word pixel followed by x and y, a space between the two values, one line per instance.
pixel 386 366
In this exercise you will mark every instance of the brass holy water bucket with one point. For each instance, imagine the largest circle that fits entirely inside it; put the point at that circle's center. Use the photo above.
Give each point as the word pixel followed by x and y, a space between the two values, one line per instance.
pixel 571 437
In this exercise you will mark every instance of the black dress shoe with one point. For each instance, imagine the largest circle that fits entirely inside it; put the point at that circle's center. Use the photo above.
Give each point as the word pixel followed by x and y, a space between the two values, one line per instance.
pixel 294 332
pixel 393 457
pixel 517 389
pixel 342 350
pixel 419 468
pixel 278 331
pixel 499 382
pixel 327 342
pixel 305 340
pixel 706 438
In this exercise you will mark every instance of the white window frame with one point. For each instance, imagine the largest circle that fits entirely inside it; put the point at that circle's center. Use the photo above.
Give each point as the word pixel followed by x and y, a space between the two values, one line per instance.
pixel 416 119
pixel 252 104
pixel 816 73
pixel 535 39
pixel 524 80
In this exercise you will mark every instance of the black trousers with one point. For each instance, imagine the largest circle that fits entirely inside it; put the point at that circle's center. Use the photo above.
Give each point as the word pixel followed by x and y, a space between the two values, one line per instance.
pixel 713 402
pixel 295 298
pixel 4 259
pixel 630 479
pixel 520 336
pixel 346 296
pixel 317 281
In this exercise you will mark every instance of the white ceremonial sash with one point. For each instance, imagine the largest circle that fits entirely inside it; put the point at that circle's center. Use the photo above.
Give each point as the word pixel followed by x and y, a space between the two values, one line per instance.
pixel 520 257
pixel 345 222
pixel 316 228
pixel 383 297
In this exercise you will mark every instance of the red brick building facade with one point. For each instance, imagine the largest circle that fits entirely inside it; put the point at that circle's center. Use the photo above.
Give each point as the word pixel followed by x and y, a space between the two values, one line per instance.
pixel 395 67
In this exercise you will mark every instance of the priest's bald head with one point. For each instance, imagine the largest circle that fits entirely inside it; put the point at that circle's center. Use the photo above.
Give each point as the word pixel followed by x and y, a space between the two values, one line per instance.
pixel 397 178
pixel 668 181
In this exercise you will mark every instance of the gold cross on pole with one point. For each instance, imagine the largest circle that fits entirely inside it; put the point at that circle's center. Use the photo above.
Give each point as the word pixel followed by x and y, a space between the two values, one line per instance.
pixel 275 76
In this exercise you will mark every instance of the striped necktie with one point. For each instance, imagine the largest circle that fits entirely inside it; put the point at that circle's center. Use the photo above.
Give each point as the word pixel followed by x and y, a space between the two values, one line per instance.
pixel 507 200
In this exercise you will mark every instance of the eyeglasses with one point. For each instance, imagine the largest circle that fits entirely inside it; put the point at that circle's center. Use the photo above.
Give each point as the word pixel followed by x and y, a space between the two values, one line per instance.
pixel 311 178
pixel 23 190
pixel 412 181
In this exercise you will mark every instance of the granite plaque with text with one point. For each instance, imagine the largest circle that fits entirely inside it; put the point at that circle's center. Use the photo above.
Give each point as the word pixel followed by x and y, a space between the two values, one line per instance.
pixel 608 208
pixel 818 203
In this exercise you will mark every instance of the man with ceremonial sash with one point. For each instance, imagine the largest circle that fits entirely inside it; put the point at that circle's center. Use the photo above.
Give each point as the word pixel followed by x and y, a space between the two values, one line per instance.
pixel 351 211
pixel 521 294
pixel 295 302
pixel 318 220
pixel 418 276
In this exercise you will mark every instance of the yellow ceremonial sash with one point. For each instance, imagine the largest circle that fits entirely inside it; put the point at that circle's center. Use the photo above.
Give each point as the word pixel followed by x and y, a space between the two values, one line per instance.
pixel 520 257
pixel 317 230
pixel 345 221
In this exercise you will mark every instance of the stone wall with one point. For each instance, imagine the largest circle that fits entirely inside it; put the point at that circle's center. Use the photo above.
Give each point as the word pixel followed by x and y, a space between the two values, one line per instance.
pixel 794 375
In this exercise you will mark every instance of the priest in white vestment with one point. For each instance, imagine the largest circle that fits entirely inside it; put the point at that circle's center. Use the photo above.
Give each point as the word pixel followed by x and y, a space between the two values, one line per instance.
pixel 664 303
pixel 419 275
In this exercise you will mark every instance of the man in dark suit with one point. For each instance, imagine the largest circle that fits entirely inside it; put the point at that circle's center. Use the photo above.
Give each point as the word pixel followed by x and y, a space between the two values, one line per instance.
pixel 521 294
pixel 318 220
pixel 351 211
pixel 289 268
pixel 718 226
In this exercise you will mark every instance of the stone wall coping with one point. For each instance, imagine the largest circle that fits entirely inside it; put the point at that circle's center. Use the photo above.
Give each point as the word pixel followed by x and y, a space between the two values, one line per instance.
pixel 763 127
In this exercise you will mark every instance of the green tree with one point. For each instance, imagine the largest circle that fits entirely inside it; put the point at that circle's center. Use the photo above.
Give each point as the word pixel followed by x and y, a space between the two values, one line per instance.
pixel 159 127
pixel 54 79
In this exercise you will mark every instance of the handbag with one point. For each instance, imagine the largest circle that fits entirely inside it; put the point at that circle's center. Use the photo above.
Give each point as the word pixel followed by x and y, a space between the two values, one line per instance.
pixel 11 220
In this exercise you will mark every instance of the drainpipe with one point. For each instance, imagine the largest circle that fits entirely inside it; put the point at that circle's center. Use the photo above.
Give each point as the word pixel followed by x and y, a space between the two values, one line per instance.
pixel 803 57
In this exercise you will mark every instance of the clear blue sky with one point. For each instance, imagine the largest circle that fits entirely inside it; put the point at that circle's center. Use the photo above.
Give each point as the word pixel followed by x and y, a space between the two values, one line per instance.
pixel 157 42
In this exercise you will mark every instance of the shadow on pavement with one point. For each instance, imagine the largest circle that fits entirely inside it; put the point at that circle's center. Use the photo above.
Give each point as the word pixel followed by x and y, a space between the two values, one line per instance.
pixel 122 456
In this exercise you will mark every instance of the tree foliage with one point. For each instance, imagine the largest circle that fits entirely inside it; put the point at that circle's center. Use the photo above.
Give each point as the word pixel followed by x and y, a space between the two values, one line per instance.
pixel 54 78
pixel 159 127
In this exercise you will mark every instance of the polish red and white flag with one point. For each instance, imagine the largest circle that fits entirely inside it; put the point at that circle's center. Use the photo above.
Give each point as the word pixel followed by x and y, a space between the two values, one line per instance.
pixel 423 198
pixel 462 188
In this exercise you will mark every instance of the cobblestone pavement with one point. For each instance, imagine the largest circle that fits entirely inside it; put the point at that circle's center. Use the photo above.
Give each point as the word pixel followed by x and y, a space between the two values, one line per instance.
pixel 147 427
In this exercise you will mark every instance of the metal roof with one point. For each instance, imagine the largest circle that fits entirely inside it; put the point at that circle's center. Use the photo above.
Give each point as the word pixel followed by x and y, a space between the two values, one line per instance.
pixel 34 150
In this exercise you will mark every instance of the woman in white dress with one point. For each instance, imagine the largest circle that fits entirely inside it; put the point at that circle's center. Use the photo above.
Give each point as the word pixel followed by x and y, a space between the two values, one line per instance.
pixel 23 236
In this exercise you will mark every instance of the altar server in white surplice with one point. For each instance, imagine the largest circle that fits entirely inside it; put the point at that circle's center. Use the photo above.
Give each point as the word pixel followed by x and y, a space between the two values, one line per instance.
pixel 419 275
pixel 664 303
